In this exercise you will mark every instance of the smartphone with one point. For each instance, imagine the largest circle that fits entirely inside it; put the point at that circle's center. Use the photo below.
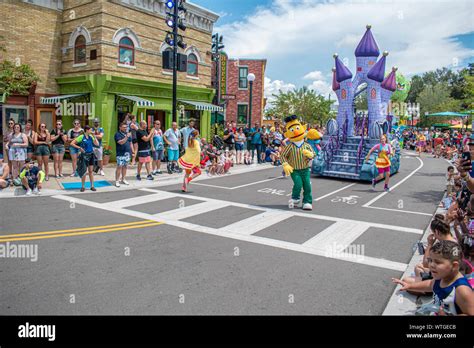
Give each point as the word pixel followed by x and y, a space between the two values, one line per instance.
pixel 421 248
pixel 466 156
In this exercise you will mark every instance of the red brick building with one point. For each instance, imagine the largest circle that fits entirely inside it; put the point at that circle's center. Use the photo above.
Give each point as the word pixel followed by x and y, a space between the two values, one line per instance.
pixel 237 85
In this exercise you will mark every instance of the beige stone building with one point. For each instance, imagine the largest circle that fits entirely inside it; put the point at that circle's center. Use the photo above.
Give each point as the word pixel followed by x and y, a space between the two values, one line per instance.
pixel 106 54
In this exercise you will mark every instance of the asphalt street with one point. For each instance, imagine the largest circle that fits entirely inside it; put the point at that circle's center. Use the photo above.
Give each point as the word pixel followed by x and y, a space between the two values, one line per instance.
pixel 230 245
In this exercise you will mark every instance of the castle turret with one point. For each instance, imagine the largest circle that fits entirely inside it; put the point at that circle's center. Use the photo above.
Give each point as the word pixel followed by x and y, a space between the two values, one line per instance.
pixel 375 77
pixel 389 85
pixel 343 77
pixel 366 55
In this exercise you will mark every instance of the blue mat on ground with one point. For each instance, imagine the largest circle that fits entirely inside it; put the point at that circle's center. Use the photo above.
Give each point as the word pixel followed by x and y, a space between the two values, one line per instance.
pixel 78 185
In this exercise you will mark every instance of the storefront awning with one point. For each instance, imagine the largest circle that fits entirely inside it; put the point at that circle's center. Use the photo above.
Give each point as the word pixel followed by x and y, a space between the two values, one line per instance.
pixel 58 98
pixel 140 101
pixel 203 106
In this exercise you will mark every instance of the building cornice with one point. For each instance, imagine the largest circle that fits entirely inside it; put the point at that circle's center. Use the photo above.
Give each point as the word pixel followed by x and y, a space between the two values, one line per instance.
pixel 196 16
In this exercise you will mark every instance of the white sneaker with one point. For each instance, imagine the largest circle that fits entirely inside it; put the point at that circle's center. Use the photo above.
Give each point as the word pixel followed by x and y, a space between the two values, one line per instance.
pixel 125 182
pixel 28 192
pixel 72 175
pixel 102 172
pixel 293 203
pixel 307 206
pixel 117 184
pixel 35 191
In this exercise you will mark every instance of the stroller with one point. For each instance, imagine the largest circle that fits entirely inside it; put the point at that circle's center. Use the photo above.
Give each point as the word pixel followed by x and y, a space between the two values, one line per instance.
pixel 217 142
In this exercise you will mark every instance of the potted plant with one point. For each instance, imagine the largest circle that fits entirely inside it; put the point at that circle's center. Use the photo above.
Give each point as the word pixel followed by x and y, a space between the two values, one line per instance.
pixel 106 155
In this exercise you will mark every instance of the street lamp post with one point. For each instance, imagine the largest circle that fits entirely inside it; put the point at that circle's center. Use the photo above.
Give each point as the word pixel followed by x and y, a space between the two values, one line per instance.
pixel 250 79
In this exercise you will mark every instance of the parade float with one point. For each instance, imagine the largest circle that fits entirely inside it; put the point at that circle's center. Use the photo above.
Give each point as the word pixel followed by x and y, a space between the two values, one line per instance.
pixel 353 133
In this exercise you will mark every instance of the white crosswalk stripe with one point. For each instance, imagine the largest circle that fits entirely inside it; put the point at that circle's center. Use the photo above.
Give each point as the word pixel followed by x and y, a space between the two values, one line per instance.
pixel 342 233
pixel 192 210
pixel 257 223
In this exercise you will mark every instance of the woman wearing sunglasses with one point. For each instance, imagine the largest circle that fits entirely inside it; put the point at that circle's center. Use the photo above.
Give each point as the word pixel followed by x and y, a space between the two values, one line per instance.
pixel 6 139
pixel 30 134
pixel 58 139
pixel 17 150
pixel 71 135
pixel 42 140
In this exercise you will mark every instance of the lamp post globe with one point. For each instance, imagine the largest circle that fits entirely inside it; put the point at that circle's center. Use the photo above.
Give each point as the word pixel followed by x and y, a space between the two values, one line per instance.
pixel 250 79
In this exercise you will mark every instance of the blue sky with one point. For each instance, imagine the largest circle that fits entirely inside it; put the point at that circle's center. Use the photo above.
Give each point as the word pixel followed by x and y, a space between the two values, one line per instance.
pixel 298 37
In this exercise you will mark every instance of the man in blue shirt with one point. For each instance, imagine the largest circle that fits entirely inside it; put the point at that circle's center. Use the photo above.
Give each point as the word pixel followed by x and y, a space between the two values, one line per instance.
pixel 98 150
pixel 123 148
pixel 256 142
pixel 85 143
pixel 185 131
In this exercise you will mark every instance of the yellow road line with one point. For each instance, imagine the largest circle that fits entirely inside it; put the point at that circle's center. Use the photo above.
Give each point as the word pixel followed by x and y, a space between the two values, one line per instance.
pixel 83 233
pixel 76 229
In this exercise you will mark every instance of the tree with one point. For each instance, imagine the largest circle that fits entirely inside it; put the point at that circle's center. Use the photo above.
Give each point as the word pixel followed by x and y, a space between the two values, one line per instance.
pixel 436 98
pixel 304 102
pixel 16 79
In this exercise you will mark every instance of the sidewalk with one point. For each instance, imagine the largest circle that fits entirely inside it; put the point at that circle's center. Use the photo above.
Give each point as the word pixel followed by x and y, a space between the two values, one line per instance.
pixel 54 187
pixel 401 302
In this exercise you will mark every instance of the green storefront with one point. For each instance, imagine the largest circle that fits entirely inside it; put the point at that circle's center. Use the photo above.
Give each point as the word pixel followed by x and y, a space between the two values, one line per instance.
pixel 109 98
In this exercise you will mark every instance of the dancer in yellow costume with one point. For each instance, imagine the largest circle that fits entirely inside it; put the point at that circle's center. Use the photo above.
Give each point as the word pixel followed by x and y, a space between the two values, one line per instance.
pixel 383 161
pixel 296 158
pixel 191 160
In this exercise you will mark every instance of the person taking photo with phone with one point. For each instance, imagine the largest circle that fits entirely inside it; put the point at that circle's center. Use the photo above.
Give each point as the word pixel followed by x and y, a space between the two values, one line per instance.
pixel 464 164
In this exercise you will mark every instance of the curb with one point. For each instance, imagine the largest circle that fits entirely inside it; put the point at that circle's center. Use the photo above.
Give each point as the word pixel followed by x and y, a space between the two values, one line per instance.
pixel 403 303
pixel 167 179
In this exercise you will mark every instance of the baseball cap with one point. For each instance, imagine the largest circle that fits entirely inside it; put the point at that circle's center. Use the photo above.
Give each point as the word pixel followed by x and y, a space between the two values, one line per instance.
pixel 96 120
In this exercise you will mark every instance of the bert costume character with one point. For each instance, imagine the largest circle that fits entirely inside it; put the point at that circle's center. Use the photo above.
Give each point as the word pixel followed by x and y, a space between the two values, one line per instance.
pixel 296 158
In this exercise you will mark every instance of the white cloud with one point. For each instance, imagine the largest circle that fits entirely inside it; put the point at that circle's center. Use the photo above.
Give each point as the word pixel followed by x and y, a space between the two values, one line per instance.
pixel 417 33
pixel 314 75
pixel 322 87
pixel 274 87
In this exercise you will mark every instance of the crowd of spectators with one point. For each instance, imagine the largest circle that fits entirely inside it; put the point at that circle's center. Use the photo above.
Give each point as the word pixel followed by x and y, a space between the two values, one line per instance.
pixel 446 271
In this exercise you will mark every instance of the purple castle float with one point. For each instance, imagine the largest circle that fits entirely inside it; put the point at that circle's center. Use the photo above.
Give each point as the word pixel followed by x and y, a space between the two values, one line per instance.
pixel 349 137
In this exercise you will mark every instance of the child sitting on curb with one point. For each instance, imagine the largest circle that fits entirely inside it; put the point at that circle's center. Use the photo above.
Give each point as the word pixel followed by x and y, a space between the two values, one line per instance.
pixel 452 292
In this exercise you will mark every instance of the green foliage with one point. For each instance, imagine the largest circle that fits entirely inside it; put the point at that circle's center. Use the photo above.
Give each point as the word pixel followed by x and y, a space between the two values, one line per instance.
pixel 216 129
pixel 361 101
pixel 455 80
pixel 313 108
pixel 16 79
pixel 436 98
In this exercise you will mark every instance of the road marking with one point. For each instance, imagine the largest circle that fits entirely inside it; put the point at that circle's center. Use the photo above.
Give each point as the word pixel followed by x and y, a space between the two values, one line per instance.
pixel 192 210
pixel 128 202
pixel 401 211
pixel 222 232
pixel 372 201
pixel 75 229
pixel 237 187
pixel 341 233
pixel 292 212
pixel 257 223
pixel 331 193
pixel 149 224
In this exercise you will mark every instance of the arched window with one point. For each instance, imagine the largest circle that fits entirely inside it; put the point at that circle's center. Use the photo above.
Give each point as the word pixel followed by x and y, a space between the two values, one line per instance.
pixel 80 50
pixel 126 51
pixel 192 65
pixel 169 49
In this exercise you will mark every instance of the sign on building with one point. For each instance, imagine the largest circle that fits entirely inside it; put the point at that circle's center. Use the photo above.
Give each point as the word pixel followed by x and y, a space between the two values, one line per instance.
pixel 223 76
